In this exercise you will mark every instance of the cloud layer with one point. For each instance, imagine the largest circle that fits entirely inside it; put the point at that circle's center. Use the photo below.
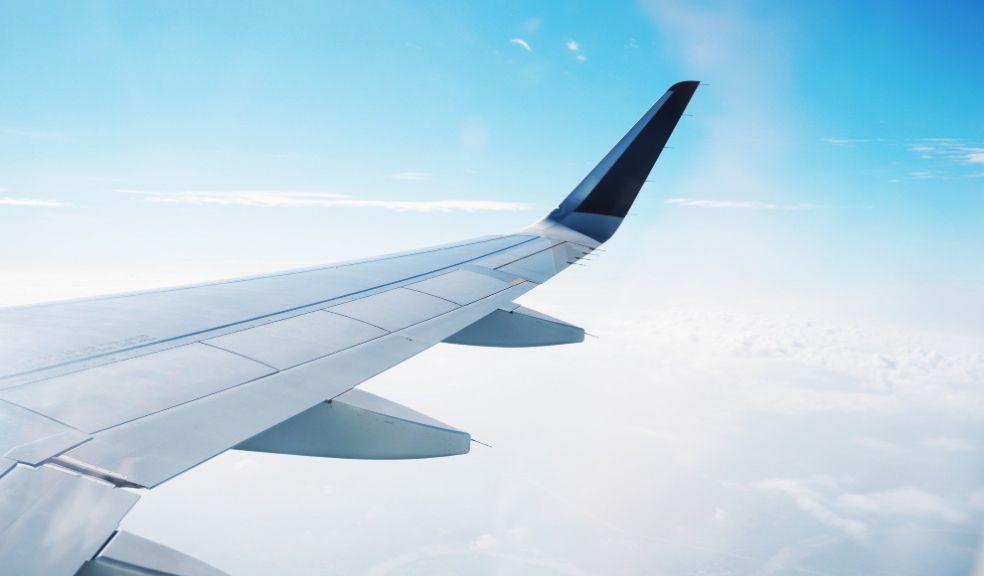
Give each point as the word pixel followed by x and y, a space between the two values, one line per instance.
pixel 31 202
pixel 719 441
pixel 739 204
pixel 288 199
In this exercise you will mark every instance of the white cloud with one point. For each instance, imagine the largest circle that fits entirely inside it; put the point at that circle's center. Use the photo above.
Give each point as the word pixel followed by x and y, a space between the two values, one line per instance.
pixel 31 202
pixel 877 444
pixel 947 153
pixel 948 444
pixel 279 199
pixel 484 542
pixel 720 515
pixel 907 501
pixel 741 204
pixel 823 499
pixel 575 47
pixel 840 366
pixel 521 43
pixel 410 176
pixel 788 559
pixel 31 134
pixel 811 501
pixel 845 141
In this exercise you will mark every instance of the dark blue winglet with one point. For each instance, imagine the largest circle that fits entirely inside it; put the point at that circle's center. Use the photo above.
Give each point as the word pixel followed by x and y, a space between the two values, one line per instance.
pixel 598 204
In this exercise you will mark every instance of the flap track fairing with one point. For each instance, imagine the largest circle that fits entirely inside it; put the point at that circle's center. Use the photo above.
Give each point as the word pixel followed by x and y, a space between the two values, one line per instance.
pixel 518 328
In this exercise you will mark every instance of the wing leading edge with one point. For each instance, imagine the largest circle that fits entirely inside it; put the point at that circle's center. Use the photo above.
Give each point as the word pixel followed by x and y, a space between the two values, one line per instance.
pixel 95 398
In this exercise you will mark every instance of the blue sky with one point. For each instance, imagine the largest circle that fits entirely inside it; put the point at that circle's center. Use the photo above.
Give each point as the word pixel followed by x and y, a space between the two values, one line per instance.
pixel 791 314
pixel 851 132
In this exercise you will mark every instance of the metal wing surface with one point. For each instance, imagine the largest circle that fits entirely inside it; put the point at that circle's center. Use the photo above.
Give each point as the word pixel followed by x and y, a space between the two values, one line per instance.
pixel 103 398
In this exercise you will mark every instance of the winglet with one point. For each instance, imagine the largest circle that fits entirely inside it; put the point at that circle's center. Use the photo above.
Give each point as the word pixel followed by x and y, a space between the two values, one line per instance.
pixel 598 204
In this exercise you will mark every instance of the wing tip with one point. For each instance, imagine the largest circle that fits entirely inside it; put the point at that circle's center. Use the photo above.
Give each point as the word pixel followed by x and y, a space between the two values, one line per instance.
pixel 598 204
pixel 690 85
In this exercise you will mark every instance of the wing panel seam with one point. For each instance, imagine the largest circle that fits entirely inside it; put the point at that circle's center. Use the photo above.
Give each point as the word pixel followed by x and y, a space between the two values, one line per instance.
pixel 240 354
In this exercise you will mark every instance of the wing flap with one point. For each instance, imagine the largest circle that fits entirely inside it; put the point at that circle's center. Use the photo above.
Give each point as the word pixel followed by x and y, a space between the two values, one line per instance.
pixel 51 521
pixel 131 555
pixel 28 437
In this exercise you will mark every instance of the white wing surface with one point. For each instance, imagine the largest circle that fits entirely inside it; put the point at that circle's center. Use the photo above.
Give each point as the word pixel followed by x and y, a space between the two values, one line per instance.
pixel 103 398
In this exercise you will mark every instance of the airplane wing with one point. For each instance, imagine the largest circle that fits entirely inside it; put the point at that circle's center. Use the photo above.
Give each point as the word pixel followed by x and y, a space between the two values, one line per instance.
pixel 103 398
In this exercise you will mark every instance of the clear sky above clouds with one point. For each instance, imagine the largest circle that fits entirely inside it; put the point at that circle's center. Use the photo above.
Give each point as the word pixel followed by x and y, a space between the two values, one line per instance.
pixel 789 372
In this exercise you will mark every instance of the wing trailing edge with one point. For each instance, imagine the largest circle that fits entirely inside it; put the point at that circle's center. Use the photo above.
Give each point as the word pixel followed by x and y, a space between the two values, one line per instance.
pixel 518 328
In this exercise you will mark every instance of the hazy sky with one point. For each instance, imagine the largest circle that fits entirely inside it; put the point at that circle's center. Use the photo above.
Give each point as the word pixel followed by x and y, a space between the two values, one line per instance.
pixel 789 374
